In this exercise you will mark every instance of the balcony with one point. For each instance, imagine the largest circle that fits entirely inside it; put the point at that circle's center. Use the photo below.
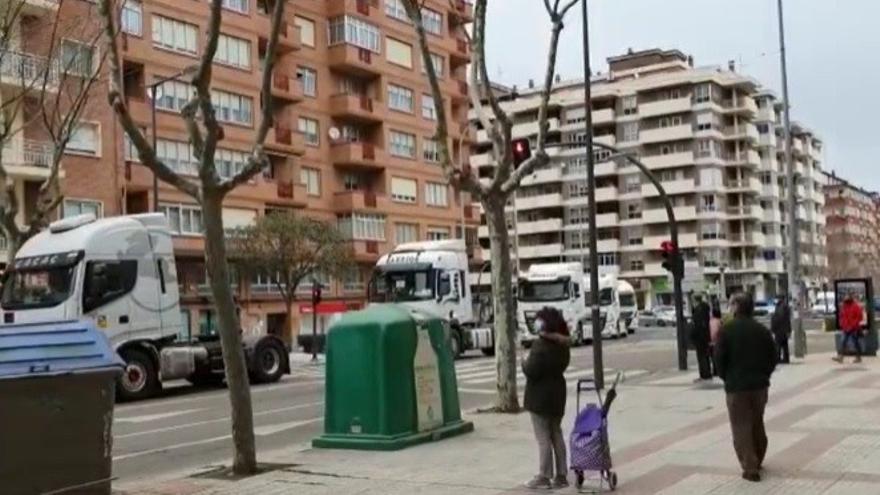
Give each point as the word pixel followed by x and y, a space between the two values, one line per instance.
pixel 607 139
pixel 285 141
pixel 543 176
pixel 531 128
pixel 286 88
pixel 744 157
pixel 658 215
pixel 603 116
pixel 367 251
pixel 671 160
pixel 685 240
pixel 22 70
pixel 743 131
pixel 743 104
pixel 288 35
pixel 362 8
pixel 351 201
pixel 460 52
pixel 365 155
pixel 539 201
pixel 357 107
pixel 663 134
pixel 540 226
pixel 353 60
pixel 607 220
pixel 463 10
pixel 750 185
pixel 754 212
pixel 27 159
pixel 773 240
pixel 665 107
pixel 482 160
pixel 681 186
pixel 766 139
pixel 287 191
pixel 541 251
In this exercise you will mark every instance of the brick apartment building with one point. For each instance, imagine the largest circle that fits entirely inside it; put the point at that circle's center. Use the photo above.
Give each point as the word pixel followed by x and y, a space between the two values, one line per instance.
pixel 351 142
pixel 852 229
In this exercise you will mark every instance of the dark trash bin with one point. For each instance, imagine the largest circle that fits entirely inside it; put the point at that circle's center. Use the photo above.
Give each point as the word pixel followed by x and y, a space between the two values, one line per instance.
pixel 57 384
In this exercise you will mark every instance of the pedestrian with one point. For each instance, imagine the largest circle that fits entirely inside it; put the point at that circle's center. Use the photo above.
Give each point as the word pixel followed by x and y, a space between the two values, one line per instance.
pixel 700 336
pixel 746 357
pixel 545 396
pixel 851 315
pixel 780 325
pixel 714 333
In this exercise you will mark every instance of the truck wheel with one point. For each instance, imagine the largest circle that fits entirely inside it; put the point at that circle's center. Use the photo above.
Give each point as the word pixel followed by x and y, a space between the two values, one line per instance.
pixel 268 365
pixel 579 338
pixel 488 351
pixel 455 346
pixel 623 333
pixel 139 380
pixel 206 379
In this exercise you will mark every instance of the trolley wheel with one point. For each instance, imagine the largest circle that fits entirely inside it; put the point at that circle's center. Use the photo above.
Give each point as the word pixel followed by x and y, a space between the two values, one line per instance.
pixel 579 479
pixel 611 477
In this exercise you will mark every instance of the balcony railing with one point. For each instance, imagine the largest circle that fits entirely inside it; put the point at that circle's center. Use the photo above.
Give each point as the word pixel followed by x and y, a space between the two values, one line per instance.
pixel 27 70
pixel 25 152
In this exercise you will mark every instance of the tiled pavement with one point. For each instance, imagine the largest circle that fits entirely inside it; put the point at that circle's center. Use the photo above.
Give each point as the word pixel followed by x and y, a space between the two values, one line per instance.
pixel 668 435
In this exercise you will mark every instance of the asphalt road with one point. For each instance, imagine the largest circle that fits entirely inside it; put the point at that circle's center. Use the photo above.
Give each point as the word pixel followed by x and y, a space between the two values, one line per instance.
pixel 188 428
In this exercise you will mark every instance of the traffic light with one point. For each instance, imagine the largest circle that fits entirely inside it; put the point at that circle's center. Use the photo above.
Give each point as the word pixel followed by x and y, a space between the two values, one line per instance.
pixel 316 293
pixel 522 150
pixel 672 260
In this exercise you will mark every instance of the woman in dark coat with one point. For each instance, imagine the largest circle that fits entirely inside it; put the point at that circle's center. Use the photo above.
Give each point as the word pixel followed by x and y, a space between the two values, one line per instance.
pixel 545 396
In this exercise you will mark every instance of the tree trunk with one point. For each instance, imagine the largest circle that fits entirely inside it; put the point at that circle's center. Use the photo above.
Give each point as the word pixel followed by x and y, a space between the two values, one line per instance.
pixel 245 454
pixel 13 244
pixel 505 316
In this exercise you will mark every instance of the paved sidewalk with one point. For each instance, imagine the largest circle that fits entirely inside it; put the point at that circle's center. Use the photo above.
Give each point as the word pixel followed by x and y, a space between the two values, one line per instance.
pixel 668 435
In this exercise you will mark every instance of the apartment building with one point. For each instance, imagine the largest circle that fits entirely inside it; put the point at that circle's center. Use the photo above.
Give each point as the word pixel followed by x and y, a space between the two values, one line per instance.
pixel 852 229
pixel 702 132
pixel 351 144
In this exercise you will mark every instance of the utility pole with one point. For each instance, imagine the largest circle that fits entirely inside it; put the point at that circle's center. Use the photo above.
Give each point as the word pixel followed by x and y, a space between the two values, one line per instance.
pixel 598 366
pixel 515 234
pixel 794 256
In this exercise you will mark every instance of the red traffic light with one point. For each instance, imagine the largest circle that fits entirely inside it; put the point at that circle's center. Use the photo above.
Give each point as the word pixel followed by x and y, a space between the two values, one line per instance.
pixel 668 247
pixel 316 294
pixel 522 150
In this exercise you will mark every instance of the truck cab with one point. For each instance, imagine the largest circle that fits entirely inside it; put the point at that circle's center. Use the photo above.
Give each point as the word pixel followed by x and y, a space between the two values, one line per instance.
pixel 432 277
pixel 559 285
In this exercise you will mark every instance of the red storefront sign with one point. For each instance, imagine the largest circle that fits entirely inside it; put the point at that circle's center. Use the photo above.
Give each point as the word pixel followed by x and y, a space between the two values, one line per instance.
pixel 328 307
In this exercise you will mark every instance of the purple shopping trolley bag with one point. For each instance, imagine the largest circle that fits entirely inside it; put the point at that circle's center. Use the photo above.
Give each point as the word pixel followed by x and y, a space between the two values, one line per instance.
pixel 590 450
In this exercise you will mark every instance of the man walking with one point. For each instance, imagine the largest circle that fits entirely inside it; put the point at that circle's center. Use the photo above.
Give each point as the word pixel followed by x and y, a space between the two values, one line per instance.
pixel 700 336
pixel 745 357
pixel 851 316
pixel 780 325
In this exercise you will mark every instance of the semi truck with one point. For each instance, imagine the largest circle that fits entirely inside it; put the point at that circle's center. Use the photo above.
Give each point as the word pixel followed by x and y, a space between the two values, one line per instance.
pixel 564 286
pixel 120 273
pixel 432 276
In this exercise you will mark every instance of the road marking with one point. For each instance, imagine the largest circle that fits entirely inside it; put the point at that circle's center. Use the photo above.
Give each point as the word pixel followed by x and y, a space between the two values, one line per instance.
pixel 212 421
pixel 273 429
pixel 476 374
pixel 155 417
pixel 168 401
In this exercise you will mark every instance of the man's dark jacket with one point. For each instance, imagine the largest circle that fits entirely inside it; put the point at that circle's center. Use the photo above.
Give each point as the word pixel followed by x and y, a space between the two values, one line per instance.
pixel 700 326
pixel 745 355
pixel 780 322
pixel 545 382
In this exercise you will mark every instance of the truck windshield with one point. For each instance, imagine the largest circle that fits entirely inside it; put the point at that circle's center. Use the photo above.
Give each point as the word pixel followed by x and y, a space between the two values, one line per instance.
pixel 544 291
pixel 40 288
pixel 402 286
pixel 627 300
pixel 606 297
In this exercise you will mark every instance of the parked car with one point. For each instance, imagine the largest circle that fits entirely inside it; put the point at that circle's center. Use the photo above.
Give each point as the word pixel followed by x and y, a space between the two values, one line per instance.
pixel 765 307
pixel 660 316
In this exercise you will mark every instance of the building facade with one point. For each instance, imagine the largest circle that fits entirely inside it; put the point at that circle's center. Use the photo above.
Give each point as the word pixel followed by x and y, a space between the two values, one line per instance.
pixel 708 134
pixel 352 141
pixel 852 230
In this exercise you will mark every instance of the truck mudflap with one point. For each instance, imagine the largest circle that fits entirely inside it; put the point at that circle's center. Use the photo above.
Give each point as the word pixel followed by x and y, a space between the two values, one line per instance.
pixel 482 338
pixel 267 358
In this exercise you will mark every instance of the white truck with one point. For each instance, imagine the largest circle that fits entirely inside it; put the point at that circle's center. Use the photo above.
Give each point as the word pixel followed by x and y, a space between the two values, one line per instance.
pixel 626 295
pixel 563 286
pixel 120 272
pixel 432 276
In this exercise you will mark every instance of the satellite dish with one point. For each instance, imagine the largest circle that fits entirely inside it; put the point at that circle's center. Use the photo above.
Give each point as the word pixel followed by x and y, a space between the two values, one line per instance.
pixel 334 133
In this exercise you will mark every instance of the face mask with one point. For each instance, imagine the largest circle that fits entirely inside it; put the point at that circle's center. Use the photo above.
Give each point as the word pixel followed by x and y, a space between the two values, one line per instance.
pixel 539 325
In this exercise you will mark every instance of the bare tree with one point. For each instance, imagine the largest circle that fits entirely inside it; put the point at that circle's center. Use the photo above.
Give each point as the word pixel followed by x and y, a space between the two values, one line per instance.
pixel 48 97
pixel 208 191
pixel 495 193
pixel 288 248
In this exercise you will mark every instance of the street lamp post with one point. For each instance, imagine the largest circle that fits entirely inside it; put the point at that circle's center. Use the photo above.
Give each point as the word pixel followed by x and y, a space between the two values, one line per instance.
pixel 153 89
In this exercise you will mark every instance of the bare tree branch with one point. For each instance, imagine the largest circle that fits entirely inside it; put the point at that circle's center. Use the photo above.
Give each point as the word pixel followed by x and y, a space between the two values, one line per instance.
pixel 202 97
pixel 116 98
pixel 478 54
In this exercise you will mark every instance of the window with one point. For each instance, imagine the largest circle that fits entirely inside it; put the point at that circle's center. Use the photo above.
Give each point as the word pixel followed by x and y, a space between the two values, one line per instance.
pixel 438 233
pixel 636 265
pixel 228 162
pixel 106 281
pixel 763 128
pixel 363 226
pixel 177 155
pixel 428 110
pixel 351 182
pixel 311 179
pixel 173 95
pixel 174 35
pixel 630 105
pixel 607 259
pixel 240 6
pixel 711 177
pixel 702 93
pixel 630 131
pixel 708 203
pixel 183 219
pixel 400 98
pixel 398 52
pixel 351 133
pixel 436 194
pixel 711 230
pixel 403 190
pixel 432 21
pixel 395 10
pixel 439 64
pixel 232 108
pixel 306 30
pixel 402 144
pixel 132 17
pixel 73 207
pixel 309 79
pixel 77 59
pixel 430 150
pixel 84 139
pixel 406 232
pixel 632 183
pixel 351 86
pixel 353 31
pixel 704 148
pixel 633 211
pixel 309 128
pixel 233 51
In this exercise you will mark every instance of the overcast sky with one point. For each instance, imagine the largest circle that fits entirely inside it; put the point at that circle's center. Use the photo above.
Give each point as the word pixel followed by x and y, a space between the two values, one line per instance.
pixel 833 48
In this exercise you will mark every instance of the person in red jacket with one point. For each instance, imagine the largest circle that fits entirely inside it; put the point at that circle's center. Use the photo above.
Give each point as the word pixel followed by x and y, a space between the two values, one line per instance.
pixel 851 315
